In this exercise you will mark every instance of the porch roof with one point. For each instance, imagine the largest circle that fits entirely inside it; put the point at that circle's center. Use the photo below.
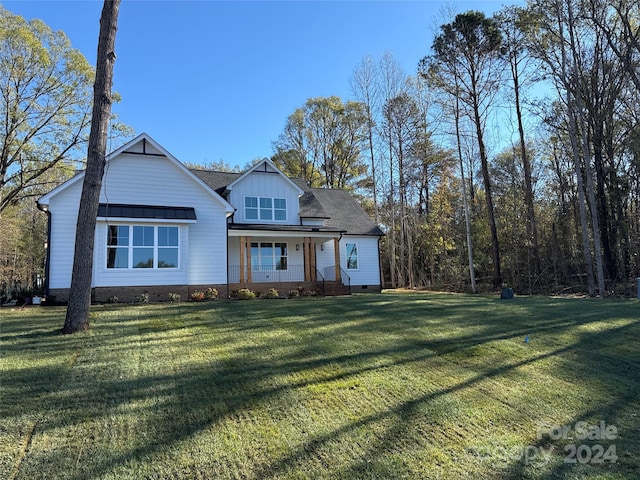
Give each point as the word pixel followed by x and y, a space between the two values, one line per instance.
pixel 120 210
pixel 282 229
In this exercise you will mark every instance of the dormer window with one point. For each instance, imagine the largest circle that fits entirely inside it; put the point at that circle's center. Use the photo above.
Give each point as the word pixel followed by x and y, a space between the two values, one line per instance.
pixel 280 208
pixel 251 208
pixel 265 208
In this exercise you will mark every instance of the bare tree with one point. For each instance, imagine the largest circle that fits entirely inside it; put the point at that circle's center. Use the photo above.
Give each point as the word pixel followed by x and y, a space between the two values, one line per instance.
pixel 467 50
pixel 618 20
pixel 77 318
pixel 392 82
pixel 512 22
pixel 560 41
pixel 402 120
pixel 365 88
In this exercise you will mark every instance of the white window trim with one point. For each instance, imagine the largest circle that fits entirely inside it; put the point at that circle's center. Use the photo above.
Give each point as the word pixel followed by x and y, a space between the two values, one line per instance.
pixel 273 209
pixel 130 247
pixel 274 256
pixel 346 256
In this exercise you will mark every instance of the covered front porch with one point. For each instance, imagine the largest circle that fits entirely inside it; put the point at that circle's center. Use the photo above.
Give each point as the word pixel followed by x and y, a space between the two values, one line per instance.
pixel 284 256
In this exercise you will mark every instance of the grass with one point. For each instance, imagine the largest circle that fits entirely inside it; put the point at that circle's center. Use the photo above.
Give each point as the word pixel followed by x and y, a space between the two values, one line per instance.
pixel 389 386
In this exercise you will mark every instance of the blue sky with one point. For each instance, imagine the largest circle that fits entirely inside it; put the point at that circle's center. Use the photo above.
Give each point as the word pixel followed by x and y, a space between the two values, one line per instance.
pixel 215 80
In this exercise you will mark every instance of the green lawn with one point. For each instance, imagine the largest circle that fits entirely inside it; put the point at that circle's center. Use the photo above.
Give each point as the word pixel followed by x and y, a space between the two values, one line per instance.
pixel 395 385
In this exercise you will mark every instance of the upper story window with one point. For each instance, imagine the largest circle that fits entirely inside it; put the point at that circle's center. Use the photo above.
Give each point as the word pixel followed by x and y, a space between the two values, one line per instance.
pixel 265 208
pixel 251 208
pixel 142 246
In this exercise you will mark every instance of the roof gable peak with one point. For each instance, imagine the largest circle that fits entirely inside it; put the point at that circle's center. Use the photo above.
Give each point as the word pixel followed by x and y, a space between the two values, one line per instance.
pixel 266 166
pixel 143 144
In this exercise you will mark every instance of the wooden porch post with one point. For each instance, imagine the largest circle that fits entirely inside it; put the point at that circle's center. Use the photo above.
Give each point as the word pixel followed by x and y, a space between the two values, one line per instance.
pixel 307 256
pixel 243 246
pixel 248 248
pixel 312 260
pixel 336 250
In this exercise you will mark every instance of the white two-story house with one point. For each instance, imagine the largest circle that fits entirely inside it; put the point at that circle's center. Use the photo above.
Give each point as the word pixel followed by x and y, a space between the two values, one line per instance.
pixel 162 228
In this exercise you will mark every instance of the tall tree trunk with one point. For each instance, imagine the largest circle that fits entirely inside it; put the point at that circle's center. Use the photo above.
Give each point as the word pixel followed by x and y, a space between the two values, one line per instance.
pixel 465 200
pixel 531 226
pixel 392 206
pixel 77 318
pixel 597 242
pixel 374 178
pixel 584 225
pixel 561 241
pixel 604 216
pixel 573 137
pixel 403 221
pixel 410 259
pixel 484 165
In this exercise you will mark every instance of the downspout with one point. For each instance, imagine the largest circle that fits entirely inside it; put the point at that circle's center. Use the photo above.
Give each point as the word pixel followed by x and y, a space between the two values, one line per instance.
pixel 340 266
pixel 227 240
pixel 47 257
pixel 380 273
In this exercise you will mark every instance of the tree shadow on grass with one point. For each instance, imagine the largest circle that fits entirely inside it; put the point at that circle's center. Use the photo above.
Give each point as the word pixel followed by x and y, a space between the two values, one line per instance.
pixel 550 455
pixel 176 406
pixel 403 417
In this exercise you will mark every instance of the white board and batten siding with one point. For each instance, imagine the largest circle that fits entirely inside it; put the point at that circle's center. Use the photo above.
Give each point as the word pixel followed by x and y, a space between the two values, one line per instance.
pixel 145 180
pixel 265 184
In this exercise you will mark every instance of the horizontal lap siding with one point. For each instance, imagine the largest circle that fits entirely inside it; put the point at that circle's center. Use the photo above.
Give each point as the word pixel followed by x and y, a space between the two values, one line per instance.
pixel 144 180
pixel 64 216
pixel 368 272
pixel 326 258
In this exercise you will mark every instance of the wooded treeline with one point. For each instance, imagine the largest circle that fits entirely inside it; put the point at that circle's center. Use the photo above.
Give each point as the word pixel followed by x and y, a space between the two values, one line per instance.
pixel 512 155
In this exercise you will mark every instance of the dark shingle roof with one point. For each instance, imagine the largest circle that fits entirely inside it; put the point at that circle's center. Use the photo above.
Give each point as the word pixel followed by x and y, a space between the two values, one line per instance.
pixel 216 180
pixel 346 213
pixel 310 207
pixel 337 207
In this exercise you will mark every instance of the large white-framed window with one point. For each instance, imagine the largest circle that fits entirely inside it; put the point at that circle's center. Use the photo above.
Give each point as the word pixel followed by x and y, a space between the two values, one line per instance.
pixel 352 256
pixel 266 256
pixel 265 208
pixel 143 246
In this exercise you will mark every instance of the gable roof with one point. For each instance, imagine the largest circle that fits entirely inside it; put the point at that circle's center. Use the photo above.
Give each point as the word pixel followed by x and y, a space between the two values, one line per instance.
pixel 143 144
pixel 267 166
pixel 340 210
